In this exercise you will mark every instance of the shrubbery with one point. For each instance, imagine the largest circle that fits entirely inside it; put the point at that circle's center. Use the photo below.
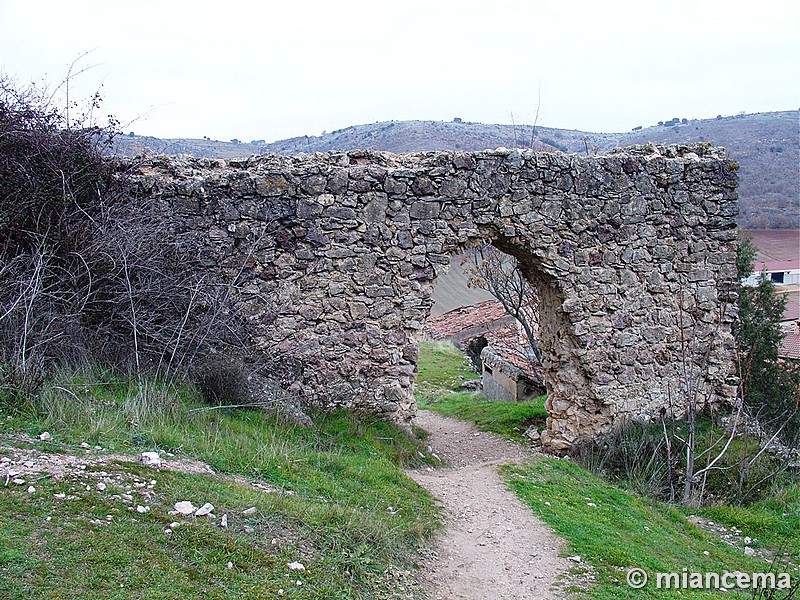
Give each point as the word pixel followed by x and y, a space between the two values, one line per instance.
pixel 87 276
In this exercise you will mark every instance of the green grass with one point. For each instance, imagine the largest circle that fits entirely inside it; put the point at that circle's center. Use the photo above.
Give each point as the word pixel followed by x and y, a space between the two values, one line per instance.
pixel 773 521
pixel 624 529
pixel 621 531
pixel 344 508
pixel 443 368
pixel 507 419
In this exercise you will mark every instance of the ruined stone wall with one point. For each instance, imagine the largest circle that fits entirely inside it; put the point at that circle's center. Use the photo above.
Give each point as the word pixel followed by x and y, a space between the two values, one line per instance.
pixel 334 257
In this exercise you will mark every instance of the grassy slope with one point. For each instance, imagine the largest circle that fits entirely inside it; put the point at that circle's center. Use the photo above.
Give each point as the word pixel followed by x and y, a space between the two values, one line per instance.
pixel 623 530
pixel 343 507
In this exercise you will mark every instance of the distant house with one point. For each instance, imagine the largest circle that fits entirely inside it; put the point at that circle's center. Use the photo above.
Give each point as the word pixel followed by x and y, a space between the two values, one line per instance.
pixel 791 316
pixel 508 371
pixel 496 346
pixel 466 323
pixel 782 272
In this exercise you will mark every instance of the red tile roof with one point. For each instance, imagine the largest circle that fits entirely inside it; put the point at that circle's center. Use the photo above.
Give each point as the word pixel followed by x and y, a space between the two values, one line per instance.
pixel 457 320
pixel 489 320
pixel 790 346
pixel 777 266
pixel 510 345
pixel 791 312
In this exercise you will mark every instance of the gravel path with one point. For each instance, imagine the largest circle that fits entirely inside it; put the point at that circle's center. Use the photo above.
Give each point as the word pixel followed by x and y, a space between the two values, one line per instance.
pixel 492 545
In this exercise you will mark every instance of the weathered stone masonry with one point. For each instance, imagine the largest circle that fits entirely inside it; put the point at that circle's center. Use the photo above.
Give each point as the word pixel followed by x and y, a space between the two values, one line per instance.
pixel 334 258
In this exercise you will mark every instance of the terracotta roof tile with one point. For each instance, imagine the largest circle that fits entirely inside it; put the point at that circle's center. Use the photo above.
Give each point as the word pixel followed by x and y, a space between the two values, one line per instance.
pixel 501 332
pixel 790 346
pixel 509 345
pixel 776 266
pixel 457 320
pixel 792 311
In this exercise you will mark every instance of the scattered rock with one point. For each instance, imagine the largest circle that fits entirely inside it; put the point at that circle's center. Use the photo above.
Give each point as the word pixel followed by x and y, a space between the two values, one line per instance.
pixel 532 433
pixel 31 489
pixel 471 385
pixel 575 559
pixel 748 551
pixel 151 459
pixel 45 436
pixel 185 507
pixel 296 566
pixel 250 511
pixel 142 509
pixel 223 522
pixel 204 510
pixel 101 487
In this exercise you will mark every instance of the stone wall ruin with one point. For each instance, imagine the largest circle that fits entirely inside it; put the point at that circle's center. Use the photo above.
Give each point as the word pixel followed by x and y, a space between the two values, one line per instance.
pixel 334 258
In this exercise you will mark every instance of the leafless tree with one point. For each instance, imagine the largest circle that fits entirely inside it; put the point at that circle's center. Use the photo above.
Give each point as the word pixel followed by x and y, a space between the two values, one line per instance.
pixel 496 272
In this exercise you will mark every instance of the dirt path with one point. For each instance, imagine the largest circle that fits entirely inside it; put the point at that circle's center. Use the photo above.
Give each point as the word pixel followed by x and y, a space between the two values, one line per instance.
pixel 492 545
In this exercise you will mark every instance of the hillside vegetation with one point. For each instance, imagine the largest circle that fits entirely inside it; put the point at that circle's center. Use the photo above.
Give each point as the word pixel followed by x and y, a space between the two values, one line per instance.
pixel 81 518
pixel 765 144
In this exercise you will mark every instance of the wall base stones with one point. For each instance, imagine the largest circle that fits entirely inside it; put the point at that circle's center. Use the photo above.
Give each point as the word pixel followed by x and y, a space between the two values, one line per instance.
pixel 332 259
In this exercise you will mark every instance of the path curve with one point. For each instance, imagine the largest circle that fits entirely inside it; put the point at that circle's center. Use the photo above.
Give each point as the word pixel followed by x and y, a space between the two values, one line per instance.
pixel 492 545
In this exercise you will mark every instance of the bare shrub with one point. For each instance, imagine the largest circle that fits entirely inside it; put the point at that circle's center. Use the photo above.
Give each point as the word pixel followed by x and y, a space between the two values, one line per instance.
pixel 86 275
pixel 222 381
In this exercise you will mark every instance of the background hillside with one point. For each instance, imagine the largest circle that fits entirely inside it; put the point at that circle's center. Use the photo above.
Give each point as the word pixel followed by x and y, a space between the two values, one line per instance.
pixel 765 144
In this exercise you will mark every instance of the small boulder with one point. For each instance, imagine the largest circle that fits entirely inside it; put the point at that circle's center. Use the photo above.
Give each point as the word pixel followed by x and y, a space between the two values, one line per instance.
pixel 204 510
pixel 532 433
pixel 151 459
pixel 185 507
pixel 472 385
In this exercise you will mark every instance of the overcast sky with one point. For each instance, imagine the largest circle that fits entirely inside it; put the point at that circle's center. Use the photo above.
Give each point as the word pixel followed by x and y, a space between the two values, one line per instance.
pixel 274 69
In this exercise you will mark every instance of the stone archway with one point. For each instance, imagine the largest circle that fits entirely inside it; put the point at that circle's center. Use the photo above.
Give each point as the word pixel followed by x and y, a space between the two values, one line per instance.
pixel 335 256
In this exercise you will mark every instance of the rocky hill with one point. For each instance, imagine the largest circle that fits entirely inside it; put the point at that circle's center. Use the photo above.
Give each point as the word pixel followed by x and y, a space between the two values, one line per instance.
pixel 765 144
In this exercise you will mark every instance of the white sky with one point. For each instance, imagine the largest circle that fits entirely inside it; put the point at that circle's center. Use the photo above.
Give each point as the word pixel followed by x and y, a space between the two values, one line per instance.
pixel 274 69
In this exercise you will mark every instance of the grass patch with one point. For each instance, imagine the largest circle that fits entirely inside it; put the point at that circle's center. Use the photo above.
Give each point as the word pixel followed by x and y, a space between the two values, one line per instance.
pixel 773 521
pixel 441 366
pixel 614 530
pixel 343 506
pixel 507 419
